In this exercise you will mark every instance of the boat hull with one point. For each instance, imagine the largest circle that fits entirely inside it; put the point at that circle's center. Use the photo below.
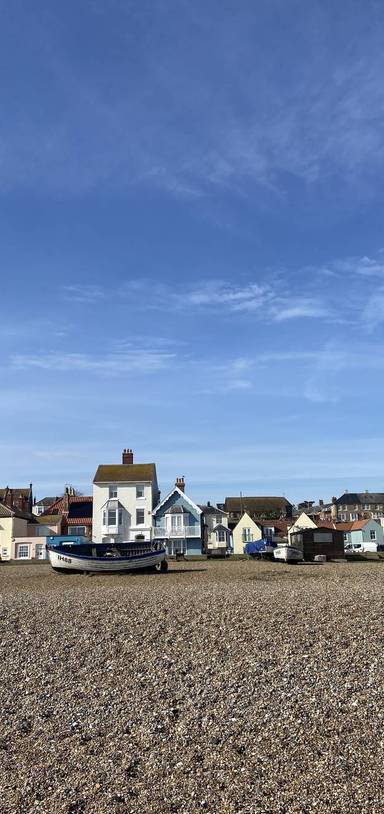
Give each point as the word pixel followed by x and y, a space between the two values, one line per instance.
pixel 287 553
pixel 70 562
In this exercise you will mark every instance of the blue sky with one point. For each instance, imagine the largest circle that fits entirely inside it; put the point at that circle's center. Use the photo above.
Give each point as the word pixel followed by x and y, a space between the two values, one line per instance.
pixel 191 243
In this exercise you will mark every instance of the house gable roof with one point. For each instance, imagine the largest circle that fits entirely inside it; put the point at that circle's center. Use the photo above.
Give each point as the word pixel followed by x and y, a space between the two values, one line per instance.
pixel 245 517
pixel 64 504
pixel 256 504
pixel 5 511
pixel 178 491
pixel 211 509
pixel 125 473
pixel 46 501
pixel 349 498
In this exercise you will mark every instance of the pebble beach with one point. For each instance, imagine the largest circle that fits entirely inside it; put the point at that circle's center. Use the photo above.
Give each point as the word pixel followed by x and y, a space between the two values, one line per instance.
pixel 234 687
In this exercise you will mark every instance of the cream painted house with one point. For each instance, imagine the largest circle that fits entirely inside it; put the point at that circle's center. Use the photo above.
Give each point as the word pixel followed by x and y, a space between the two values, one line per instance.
pixel 15 525
pixel 124 496
pixel 301 522
pixel 246 531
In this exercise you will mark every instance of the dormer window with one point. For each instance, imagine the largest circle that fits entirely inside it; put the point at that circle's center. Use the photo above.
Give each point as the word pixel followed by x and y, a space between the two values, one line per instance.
pixel 112 492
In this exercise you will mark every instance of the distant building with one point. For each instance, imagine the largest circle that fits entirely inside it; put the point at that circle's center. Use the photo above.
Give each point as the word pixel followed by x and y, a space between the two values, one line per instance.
pixel 362 531
pixel 358 505
pixel 124 496
pixel 75 512
pixel 316 511
pixel 17 498
pixel 258 508
pixel 178 522
pixel 43 505
pixel 217 535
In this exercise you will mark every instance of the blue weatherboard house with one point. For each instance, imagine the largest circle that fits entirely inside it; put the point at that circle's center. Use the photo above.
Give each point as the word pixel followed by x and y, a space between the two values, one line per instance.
pixel 177 521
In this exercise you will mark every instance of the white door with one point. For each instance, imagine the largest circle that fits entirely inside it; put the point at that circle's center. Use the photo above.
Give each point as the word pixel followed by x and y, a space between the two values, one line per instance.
pixel 39 551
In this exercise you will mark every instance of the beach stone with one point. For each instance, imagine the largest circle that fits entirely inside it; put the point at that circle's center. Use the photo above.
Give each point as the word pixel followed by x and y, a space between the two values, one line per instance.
pixel 242 687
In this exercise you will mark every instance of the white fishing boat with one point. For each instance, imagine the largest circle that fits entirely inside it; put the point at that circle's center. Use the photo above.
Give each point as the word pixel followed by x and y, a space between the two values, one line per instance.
pixel 288 553
pixel 90 558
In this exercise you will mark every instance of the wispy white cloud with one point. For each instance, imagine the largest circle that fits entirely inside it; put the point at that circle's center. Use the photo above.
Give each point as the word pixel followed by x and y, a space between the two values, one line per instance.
pixel 77 292
pixel 248 297
pixel 301 309
pixel 319 123
pixel 140 361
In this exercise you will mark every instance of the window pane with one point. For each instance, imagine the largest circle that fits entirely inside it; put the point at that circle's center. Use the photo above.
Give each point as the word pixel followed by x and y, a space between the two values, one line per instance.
pixel 111 517
pixel 112 491
pixel 139 491
pixel 139 517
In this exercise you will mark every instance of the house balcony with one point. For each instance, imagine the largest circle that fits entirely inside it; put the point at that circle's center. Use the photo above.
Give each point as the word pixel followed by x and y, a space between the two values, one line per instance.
pixel 128 535
pixel 112 530
pixel 162 532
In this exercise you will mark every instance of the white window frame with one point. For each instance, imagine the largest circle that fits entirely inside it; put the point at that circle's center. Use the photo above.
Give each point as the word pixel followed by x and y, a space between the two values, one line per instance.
pixel 113 492
pixel 23 546
pixel 177 522
pixel 138 522
pixel 140 491
pixel 221 536
pixel 372 535
pixel 74 530
pixel 111 512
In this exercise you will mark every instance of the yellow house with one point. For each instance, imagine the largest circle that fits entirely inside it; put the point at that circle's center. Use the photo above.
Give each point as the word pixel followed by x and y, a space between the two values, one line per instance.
pixel 13 524
pixel 301 522
pixel 246 531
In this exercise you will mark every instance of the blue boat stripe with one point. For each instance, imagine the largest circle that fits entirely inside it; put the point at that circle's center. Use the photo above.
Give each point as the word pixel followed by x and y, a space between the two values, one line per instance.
pixel 104 559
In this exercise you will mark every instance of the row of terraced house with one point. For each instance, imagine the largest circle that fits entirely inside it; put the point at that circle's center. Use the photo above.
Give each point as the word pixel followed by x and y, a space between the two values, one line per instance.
pixel 126 504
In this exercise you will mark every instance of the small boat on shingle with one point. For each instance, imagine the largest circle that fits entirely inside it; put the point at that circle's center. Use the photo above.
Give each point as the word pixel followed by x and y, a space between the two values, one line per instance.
pixel 95 558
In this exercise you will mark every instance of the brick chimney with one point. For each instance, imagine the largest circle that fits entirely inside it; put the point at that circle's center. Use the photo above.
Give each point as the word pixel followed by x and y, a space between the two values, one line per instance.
pixel 127 456
pixel 180 483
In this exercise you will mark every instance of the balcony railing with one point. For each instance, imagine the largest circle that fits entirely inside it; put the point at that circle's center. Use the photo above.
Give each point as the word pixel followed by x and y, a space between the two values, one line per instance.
pixel 161 532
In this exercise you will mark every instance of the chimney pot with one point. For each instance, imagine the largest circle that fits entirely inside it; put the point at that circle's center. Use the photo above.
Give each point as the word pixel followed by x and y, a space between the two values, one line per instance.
pixel 127 456
pixel 180 483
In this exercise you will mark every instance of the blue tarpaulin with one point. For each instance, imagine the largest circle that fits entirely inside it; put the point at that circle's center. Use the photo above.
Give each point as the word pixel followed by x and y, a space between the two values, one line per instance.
pixel 258 546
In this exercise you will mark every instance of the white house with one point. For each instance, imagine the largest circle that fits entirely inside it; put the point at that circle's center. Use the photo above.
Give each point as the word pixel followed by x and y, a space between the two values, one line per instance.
pixel 124 496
